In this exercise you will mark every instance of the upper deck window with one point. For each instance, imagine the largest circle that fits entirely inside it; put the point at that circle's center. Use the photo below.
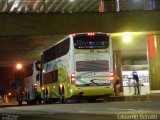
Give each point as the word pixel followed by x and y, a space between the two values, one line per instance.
pixel 96 41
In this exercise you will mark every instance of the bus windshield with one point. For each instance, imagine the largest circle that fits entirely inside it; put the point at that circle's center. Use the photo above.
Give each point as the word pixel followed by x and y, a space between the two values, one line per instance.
pixel 97 41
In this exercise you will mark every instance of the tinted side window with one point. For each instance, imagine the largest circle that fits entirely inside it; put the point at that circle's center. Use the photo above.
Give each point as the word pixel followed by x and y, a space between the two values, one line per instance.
pixel 29 70
pixel 50 77
pixel 56 51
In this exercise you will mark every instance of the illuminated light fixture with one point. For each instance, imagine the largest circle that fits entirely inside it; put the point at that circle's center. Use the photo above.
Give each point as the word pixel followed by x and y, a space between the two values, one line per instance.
pixel 73 75
pixel 35 85
pixel 43 71
pixel 61 86
pixel 71 90
pixel 108 34
pixel 90 34
pixel 127 37
pixel 71 0
pixel 15 5
pixel 9 94
pixel 73 35
pixel 73 78
pixel 19 66
pixel 20 8
pixel 111 76
pixel 43 88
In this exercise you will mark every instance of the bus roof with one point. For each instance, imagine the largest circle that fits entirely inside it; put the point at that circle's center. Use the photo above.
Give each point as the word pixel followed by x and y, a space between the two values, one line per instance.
pixel 75 34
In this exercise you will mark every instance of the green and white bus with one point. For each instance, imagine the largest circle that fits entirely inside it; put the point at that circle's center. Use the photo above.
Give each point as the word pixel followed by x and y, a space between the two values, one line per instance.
pixel 27 84
pixel 79 66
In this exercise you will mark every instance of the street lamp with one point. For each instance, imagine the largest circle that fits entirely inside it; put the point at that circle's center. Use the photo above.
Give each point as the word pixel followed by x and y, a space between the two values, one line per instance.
pixel 19 66
pixel 9 94
pixel 19 73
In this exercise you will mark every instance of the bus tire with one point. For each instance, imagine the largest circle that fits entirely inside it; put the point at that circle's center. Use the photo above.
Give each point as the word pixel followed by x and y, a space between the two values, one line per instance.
pixel 19 102
pixel 28 102
pixel 63 100
pixel 91 100
pixel 39 101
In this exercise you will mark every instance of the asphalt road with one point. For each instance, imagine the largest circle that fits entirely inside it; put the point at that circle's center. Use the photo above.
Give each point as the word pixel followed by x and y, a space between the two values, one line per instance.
pixel 142 110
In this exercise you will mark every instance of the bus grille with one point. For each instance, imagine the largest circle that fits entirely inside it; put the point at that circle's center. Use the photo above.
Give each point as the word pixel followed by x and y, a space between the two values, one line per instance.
pixel 100 65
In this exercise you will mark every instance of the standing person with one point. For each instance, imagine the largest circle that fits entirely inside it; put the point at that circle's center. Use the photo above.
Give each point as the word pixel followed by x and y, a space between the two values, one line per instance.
pixel 117 85
pixel 136 84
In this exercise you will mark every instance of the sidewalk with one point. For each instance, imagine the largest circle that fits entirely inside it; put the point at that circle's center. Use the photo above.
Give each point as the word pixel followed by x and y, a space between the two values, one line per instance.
pixel 149 97
pixel 8 104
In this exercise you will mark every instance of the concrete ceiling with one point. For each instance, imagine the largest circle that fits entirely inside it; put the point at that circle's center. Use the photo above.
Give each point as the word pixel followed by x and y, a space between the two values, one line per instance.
pixel 136 49
pixel 25 49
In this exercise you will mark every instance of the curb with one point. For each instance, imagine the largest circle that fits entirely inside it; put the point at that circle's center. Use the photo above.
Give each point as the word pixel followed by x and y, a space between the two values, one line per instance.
pixel 150 97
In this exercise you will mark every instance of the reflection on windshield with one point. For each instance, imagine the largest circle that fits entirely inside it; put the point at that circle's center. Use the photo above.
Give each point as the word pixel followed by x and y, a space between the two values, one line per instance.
pixel 90 42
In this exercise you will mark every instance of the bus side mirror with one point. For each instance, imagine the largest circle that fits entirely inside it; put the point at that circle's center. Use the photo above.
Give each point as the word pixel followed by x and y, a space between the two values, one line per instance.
pixel 37 64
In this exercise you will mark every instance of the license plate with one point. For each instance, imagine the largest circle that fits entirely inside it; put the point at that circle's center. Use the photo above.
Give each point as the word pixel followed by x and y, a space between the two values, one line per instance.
pixel 93 84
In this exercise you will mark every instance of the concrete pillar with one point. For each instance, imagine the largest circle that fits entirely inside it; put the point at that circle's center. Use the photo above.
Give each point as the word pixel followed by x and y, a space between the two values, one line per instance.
pixel 117 64
pixel 108 5
pixel 117 7
pixel 154 61
pixel 101 6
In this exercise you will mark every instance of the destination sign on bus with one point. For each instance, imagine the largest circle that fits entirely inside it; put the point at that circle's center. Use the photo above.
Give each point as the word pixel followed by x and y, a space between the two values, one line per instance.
pixel 91 42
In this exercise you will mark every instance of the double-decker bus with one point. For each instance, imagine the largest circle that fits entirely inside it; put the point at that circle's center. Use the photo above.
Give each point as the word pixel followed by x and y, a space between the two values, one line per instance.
pixel 78 66
pixel 28 84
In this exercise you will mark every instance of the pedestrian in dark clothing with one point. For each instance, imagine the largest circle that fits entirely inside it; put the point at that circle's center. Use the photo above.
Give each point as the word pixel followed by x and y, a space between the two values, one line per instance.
pixel 136 84
pixel 117 85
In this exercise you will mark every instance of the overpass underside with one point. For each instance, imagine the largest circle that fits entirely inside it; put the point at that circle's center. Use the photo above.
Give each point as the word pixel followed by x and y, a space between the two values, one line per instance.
pixel 66 23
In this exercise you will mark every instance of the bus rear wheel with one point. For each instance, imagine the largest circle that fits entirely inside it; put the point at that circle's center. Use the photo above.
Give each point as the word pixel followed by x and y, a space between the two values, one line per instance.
pixel 19 102
pixel 91 100
pixel 63 100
